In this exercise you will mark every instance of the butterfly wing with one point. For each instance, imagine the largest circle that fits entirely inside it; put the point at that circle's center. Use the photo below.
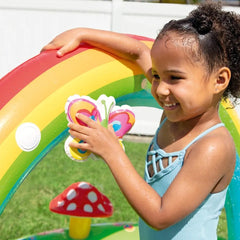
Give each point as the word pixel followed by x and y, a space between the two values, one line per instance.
pixel 84 105
pixel 122 119
pixel 75 153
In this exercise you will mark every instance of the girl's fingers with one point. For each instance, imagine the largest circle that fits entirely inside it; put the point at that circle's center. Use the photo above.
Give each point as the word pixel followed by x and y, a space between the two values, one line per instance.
pixel 82 132
pixel 83 145
pixel 69 47
pixel 50 46
pixel 78 131
pixel 63 48
pixel 88 121
pixel 110 128
pixel 77 134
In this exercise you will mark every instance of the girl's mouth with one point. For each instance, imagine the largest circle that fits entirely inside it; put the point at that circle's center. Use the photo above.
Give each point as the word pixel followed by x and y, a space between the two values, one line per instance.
pixel 170 106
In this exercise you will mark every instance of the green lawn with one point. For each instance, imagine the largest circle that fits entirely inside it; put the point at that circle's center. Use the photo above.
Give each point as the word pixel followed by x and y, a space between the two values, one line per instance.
pixel 27 212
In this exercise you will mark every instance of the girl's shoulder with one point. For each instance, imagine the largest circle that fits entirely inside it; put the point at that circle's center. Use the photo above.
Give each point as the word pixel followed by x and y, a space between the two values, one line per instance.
pixel 219 142
pixel 215 153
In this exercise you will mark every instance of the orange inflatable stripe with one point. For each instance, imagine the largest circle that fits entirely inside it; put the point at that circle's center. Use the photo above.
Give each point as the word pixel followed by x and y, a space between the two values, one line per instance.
pixel 62 73
pixel 29 70
pixel 51 110
pixel 41 87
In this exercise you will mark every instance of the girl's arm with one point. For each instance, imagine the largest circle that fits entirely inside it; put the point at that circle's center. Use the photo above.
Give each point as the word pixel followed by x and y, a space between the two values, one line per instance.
pixel 105 144
pixel 203 169
pixel 119 44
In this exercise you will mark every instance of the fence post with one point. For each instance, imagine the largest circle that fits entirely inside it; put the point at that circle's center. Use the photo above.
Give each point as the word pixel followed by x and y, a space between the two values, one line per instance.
pixel 116 15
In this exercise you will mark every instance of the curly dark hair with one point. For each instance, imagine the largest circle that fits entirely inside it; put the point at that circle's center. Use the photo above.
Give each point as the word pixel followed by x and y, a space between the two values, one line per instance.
pixel 218 36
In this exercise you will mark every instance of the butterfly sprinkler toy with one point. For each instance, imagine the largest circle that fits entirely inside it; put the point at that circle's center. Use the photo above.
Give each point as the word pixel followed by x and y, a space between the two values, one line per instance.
pixel 103 110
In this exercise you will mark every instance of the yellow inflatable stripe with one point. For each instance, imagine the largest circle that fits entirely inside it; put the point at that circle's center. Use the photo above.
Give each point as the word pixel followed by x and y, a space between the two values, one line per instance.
pixel 53 105
pixel 44 85
pixel 232 113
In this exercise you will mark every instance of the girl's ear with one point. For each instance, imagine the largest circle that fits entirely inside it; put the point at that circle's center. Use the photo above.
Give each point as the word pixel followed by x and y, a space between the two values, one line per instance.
pixel 222 79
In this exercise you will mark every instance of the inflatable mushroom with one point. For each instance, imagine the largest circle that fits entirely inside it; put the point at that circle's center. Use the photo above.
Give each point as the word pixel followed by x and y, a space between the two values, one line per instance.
pixel 81 201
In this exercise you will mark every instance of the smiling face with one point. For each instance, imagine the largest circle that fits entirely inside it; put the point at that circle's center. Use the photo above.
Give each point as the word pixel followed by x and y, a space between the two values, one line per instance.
pixel 181 84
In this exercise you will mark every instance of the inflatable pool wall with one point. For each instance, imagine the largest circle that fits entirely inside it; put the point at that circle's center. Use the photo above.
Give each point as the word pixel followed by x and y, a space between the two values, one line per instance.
pixel 32 118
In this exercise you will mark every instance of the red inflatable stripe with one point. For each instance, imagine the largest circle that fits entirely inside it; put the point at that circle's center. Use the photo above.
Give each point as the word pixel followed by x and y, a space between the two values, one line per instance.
pixel 16 80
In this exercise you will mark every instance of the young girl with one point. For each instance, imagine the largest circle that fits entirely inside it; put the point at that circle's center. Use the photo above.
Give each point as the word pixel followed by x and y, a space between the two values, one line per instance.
pixel 193 64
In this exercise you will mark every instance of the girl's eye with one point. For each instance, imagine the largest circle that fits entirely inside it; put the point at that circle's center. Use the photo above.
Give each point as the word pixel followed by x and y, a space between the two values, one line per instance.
pixel 156 77
pixel 175 77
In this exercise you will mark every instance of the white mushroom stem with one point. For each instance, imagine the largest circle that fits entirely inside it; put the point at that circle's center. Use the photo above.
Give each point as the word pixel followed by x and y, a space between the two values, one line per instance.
pixel 79 227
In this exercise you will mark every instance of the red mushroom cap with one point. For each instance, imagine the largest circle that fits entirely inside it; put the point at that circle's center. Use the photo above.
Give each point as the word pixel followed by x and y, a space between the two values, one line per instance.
pixel 81 199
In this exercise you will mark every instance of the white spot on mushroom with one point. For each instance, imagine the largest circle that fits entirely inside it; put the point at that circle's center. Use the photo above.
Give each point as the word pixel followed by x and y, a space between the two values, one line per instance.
pixel 71 194
pixel 60 203
pixel 88 208
pixel 71 207
pixel 101 208
pixel 92 196
pixel 84 185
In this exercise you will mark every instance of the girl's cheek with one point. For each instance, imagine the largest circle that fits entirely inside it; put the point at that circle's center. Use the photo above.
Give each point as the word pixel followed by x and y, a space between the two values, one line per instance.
pixel 154 88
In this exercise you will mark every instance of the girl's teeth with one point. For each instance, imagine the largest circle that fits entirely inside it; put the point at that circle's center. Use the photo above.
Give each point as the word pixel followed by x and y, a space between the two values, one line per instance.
pixel 170 105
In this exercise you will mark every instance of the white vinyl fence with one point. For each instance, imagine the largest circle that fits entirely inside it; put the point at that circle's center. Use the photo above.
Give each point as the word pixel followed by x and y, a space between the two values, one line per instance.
pixel 27 25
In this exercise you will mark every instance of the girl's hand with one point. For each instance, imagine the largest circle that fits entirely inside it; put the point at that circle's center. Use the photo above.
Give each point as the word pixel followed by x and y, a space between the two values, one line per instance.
pixel 65 42
pixel 97 139
pixel 112 42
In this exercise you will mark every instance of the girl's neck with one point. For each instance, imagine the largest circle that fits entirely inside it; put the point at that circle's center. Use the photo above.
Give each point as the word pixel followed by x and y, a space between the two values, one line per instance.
pixel 198 124
pixel 178 134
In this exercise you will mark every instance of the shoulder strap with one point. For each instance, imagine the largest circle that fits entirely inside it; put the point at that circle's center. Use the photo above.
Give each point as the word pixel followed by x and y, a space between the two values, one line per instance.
pixel 161 124
pixel 163 121
pixel 203 134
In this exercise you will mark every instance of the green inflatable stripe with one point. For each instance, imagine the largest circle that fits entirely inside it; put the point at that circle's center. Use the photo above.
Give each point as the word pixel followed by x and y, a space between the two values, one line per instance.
pixel 105 231
pixel 52 135
pixel 226 119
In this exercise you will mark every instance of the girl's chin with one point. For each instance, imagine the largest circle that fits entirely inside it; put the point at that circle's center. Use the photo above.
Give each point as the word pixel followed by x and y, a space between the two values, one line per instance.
pixel 174 118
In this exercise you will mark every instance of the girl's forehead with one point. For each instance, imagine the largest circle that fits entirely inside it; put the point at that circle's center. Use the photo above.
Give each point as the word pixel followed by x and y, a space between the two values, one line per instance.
pixel 176 40
pixel 179 43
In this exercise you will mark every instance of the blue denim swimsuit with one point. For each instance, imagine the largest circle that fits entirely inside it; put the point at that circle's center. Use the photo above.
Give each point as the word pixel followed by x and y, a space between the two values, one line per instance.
pixel 200 224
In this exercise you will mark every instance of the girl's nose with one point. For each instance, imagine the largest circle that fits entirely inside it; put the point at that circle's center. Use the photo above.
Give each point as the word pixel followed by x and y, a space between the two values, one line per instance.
pixel 160 88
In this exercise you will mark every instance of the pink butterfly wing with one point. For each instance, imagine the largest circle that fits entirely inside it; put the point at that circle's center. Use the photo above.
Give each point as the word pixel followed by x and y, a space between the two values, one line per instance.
pixel 122 121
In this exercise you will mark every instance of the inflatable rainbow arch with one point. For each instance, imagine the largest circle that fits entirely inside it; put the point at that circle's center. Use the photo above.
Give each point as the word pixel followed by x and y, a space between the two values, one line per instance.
pixel 35 94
